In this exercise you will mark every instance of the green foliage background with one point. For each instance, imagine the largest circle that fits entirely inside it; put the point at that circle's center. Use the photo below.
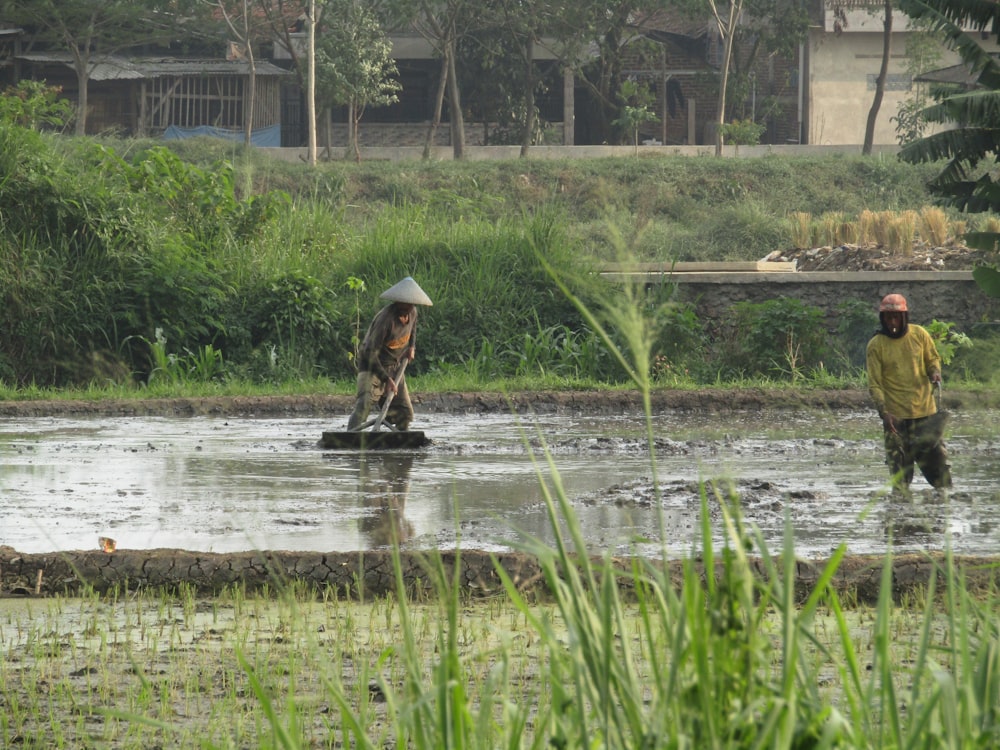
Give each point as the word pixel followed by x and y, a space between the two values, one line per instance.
pixel 121 258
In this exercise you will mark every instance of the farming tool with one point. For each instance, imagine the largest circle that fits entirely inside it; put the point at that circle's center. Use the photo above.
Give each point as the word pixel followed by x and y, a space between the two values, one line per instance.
pixel 361 438
pixel 932 429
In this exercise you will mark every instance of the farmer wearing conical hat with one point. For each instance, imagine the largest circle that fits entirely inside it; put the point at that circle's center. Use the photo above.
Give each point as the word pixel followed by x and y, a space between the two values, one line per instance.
pixel 391 339
pixel 903 366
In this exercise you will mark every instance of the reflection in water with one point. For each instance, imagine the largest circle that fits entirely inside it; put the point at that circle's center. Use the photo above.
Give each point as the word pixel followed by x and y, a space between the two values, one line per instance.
pixel 915 518
pixel 928 517
pixel 383 484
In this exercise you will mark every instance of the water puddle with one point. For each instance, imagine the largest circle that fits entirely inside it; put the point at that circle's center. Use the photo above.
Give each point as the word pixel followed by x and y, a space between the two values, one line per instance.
pixel 225 484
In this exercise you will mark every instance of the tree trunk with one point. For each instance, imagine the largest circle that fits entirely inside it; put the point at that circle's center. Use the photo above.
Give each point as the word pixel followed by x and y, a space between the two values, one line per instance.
pixel 883 72
pixel 311 87
pixel 735 6
pixel 529 95
pixel 455 106
pixel 82 83
pixel 353 118
pixel 438 106
pixel 250 100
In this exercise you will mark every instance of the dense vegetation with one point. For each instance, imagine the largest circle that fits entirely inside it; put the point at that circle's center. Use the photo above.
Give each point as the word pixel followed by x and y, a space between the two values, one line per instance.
pixel 131 263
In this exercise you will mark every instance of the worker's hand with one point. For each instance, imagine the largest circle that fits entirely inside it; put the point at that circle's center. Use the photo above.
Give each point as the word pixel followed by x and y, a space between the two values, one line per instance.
pixel 889 423
pixel 935 377
pixel 390 385
pixel 412 353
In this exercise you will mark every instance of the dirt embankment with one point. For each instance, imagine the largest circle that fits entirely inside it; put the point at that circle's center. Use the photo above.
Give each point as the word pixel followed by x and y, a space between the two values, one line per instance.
pixel 541 402
pixel 363 575
pixel 702 400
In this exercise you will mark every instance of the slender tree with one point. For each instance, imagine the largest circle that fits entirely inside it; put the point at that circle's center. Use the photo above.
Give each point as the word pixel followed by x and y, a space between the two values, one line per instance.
pixel 883 74
pixel 354 65
pixel 727 18
pixel 248 28
pixel 923 53
pixel 442 23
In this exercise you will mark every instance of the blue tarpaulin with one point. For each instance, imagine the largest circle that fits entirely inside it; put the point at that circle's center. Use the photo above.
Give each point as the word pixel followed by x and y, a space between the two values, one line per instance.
pixel 265 137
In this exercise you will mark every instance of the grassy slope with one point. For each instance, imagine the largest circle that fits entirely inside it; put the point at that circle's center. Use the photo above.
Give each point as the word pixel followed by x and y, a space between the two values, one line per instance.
pixel 682 208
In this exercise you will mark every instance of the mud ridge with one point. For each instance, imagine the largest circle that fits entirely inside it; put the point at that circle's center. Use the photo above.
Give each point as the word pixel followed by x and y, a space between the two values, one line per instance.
pixel 706 400
pixel 360 575
pixel 718 400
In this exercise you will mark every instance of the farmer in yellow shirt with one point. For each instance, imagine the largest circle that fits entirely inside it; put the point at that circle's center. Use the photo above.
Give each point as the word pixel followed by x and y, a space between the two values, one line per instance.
pixel 903 367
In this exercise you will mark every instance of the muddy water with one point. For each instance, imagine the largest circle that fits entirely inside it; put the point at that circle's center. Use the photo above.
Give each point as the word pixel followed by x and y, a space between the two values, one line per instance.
pixel 225 484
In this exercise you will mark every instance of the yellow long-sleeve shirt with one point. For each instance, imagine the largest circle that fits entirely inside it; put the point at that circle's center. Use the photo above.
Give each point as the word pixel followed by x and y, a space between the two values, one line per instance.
pixel 899 373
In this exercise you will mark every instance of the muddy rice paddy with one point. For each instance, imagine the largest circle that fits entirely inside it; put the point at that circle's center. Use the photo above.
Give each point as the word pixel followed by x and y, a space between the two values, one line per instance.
pixel 225 483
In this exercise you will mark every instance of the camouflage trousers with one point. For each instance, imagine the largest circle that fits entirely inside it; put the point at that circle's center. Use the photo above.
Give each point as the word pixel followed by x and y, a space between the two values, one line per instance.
pixel 918 442
pixel 371 392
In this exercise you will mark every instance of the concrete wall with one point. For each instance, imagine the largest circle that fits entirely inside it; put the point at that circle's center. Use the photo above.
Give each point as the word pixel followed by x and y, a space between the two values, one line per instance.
pixel 841 69
pixel 950 296
pixel 474 153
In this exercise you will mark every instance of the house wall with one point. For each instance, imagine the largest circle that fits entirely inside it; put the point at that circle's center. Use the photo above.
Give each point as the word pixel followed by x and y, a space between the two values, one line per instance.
pixel 841 91
pixel 842 69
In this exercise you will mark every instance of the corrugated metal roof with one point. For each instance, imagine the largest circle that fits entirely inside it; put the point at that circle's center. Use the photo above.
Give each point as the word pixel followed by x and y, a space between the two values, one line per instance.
pixel 120 68
pixel 154 68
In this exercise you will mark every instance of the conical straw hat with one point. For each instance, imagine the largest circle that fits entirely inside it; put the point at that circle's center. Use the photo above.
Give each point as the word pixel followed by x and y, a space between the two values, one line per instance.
pixel 407 291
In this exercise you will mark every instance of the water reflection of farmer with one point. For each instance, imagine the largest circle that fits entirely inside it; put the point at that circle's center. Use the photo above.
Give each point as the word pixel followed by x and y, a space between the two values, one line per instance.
pixel 903 366
pixel 391 341
pixel 384 483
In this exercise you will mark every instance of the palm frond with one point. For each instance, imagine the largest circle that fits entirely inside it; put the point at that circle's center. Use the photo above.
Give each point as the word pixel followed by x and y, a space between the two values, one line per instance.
pixel 970 144
pixel 974 114
pixel 978 14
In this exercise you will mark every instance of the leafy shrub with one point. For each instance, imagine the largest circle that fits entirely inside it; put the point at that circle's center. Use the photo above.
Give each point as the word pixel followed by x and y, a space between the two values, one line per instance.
pixel 779 337
pixel 201 202
pixel 35 105
pixel 294 315
pixel 947 340
pixel 742 132
pixel 856 324
pixel 199 366
pixel 681 342
pixel 978 360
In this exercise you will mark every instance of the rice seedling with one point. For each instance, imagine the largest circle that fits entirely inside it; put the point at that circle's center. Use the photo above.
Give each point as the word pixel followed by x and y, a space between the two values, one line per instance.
pixel 882 228
pixel 626 652
pixel 867 227
pixel 934 226
pixel 830 223
pixel 801 229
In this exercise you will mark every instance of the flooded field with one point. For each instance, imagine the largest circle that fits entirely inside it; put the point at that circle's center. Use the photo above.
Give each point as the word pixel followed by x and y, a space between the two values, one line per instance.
pixel 230 484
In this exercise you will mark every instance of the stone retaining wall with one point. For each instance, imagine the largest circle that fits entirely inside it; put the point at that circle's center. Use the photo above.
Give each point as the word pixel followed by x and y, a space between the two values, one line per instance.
pixel 950 296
